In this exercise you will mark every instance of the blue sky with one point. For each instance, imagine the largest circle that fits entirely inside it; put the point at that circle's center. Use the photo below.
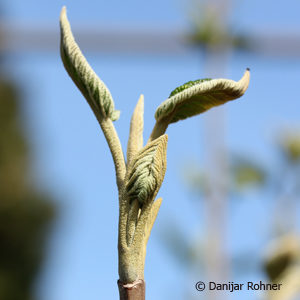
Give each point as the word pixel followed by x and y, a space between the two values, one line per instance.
pixel 245 13
pixel 72 160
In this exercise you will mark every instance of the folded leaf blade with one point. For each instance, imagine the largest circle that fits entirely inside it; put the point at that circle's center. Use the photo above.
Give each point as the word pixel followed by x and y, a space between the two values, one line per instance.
pixel 91 86
pixel 147 171
pixel 194 98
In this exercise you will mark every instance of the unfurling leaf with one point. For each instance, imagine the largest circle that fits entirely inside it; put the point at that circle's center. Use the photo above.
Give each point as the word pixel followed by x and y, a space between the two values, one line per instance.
pixel 147 171
pixel 196 97
pixel 93 89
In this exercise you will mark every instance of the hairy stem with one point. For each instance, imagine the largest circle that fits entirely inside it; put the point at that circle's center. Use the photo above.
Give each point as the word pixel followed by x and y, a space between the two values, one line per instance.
pixel 115 147
pixel 159 129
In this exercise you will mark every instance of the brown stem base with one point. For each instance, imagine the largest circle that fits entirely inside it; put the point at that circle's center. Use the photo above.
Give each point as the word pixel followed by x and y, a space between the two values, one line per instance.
pixel 132 291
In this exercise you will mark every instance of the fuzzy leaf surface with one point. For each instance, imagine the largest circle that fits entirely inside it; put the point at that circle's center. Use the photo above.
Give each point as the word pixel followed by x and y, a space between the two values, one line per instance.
pixel 196 97
pixel 147 171
pixel 91 86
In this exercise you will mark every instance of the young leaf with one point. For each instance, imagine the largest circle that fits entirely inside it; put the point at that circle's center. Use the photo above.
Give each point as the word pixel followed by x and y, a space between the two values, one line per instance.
pixel 196 97
pixel 90 85
pixel 135 141
pixel 152 217
pixel 147 171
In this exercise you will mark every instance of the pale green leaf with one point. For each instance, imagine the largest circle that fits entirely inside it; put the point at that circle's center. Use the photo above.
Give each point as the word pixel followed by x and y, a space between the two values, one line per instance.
pixel 94 90
pixel 135 140
pixel 197 97
pixel 152 217
pixel 147 171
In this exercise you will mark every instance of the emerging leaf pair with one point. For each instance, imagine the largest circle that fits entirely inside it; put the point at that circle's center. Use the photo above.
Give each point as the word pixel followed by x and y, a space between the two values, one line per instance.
pixel 190 99
pixel 140 178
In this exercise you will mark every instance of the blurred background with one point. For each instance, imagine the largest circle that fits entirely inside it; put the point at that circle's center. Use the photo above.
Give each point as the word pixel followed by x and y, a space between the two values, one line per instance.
pixel 230 209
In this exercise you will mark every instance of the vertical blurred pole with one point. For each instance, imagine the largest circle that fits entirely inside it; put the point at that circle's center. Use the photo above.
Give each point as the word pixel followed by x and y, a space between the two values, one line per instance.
pixel 216 197
pixel 216 55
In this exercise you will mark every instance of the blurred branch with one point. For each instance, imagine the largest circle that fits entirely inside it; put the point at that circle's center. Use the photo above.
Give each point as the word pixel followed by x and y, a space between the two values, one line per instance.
pixel 24 38
pixel 209 28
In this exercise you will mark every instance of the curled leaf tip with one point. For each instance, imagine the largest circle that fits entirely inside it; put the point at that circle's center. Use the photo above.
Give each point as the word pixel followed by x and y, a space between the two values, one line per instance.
pixel 91 86
pixel 64 23
pixel 244 82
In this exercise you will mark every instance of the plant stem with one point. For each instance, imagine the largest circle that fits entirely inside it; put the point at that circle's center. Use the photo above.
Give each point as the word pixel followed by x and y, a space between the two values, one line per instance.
pixel 115 148
pixel 132 291
pixel 159 129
